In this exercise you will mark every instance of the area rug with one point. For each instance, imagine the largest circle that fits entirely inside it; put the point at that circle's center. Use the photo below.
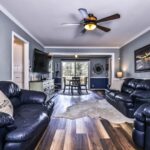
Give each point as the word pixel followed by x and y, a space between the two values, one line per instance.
pixel 94 109
pixel 75 93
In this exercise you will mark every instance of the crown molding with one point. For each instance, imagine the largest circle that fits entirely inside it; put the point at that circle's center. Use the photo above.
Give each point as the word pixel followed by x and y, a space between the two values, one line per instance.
pixel 135 37
pixel 80 53
pixel 11 17
pixel 80 47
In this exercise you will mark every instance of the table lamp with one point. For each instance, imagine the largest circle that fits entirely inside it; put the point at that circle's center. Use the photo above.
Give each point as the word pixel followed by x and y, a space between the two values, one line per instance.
pixel 119 74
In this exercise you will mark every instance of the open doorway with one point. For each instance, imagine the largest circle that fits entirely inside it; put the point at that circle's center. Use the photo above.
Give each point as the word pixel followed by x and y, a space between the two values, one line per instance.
pixel 20 61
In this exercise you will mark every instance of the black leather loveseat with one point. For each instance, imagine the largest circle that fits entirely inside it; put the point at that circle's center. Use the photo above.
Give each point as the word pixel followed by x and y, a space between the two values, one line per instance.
pixel 31 117
pixel 134 93
pixel 141 131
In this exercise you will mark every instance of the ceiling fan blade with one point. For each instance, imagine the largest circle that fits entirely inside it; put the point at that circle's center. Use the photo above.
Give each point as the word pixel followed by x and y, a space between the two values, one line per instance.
pixel 112 17
pixel 70 24
pixel 105 29
pixel 83 31
pixel 83 12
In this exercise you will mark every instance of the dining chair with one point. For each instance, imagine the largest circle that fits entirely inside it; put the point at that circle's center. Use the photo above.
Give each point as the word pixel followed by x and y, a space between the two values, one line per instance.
pixel 65 84
pixel 75 78
pixel 75 83
pixel 84 84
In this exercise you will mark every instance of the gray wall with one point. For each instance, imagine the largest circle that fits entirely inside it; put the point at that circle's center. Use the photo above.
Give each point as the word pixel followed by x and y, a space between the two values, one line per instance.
pixel 116 52
pixel 103 62
pixel 6 28
pixel 127 56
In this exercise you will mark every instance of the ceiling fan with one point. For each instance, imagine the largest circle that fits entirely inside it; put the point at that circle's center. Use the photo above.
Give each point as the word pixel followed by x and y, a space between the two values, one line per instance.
pixel 90 22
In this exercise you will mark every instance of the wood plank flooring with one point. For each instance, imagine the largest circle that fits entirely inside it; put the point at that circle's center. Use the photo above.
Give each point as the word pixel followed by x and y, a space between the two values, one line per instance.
pixel 84 133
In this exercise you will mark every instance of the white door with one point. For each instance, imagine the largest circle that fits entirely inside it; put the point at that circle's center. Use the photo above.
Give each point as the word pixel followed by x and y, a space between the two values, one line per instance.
pixel 18 62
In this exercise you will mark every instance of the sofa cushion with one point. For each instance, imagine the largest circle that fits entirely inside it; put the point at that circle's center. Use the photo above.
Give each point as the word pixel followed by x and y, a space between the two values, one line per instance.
pixel 29 119
pixel 130 85
pixel 126 81
pixel 123 97
pixel 133 83
pixel 144 85
pixel 112 93
pixel 108 91
pixel 32 97
pixel 16 102
pixel 141 94
pixel 127 89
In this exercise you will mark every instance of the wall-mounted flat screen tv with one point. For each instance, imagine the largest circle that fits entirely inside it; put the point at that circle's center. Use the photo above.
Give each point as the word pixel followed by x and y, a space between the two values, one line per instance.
pixel 41 62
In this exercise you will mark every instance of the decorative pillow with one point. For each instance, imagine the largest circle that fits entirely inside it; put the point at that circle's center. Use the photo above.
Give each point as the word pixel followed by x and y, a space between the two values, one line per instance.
pixel 116 84
pixel 5 105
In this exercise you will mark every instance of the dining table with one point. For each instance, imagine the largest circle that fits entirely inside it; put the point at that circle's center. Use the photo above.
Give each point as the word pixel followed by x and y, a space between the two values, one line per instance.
pixel 75 83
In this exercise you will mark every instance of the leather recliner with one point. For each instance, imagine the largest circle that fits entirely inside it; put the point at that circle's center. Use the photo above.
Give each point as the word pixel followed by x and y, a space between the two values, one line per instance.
pixel 141 131
pixel 133 94
pixel 31 117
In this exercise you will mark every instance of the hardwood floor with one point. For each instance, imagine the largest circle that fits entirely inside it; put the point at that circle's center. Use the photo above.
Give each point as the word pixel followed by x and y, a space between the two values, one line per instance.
pixel 84 133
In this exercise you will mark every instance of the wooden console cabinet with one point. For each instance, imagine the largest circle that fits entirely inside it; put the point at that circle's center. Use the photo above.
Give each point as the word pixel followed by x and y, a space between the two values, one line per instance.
pixel 46 86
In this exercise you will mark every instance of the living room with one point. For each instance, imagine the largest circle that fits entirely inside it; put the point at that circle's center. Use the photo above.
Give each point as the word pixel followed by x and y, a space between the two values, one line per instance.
pixel 74 75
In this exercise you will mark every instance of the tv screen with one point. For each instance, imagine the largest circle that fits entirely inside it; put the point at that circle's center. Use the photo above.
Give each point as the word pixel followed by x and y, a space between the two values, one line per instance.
pixel 41 62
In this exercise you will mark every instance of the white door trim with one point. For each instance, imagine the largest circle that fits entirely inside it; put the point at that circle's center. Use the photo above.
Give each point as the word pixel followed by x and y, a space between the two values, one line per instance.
pixel 26 59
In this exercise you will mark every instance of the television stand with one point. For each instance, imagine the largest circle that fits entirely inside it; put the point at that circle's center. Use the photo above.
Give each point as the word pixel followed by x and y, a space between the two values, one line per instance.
pixel 46 86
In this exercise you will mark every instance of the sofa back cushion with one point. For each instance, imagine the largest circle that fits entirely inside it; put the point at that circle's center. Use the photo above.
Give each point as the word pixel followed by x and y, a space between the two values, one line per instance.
pixel 125 87
pixel 9 88
pixel 144 85
pixel 16 101
pixel 12 91
pixel 130 85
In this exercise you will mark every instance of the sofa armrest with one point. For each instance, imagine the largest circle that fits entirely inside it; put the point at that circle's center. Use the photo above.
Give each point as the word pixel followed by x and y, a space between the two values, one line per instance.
pixel 143 113
pixel 108 86
pixel 49 107
pixel 32 97
pixel 141 95
pixel 146 111
pixel 5 120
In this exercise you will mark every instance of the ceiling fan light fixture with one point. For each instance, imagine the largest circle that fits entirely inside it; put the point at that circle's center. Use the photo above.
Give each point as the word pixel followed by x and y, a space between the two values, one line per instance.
pixel 90 26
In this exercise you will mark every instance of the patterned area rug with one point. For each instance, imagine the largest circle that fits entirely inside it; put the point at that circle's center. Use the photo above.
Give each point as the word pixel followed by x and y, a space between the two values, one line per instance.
pixel 94 109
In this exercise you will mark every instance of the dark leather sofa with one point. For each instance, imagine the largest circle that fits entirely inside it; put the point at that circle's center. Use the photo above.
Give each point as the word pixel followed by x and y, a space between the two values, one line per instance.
pixel 141 131
pixel 133 94
pixel 31 117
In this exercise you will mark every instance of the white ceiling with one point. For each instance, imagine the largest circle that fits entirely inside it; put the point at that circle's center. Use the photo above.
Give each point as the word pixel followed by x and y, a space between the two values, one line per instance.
pixel 43 18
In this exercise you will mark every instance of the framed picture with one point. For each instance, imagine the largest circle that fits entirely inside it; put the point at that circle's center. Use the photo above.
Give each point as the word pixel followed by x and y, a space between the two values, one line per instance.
pixel 142 59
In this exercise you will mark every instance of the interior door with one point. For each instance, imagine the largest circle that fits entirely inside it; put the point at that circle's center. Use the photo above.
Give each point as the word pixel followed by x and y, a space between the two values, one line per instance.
pixel 18 62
